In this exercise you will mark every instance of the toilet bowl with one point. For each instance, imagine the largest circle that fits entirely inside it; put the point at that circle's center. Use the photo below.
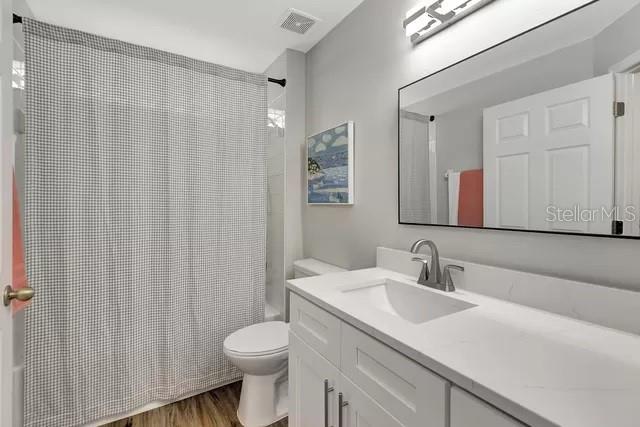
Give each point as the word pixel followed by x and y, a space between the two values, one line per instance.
pixel 261 352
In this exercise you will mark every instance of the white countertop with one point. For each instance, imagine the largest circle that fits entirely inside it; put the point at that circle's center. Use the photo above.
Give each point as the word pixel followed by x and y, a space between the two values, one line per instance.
pixel 542 368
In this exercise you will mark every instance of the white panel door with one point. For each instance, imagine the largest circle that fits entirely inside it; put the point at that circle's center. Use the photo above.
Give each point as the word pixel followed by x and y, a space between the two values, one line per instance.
pixel 7 418
pixel 551 153
pixel 310 403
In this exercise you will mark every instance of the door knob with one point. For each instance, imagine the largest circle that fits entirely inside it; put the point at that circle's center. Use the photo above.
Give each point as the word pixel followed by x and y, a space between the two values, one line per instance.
pixel 22 294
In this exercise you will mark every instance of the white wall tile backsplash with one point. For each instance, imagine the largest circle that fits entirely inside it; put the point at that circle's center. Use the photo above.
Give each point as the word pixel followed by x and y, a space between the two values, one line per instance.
pixel 610 307
pixel 285 168
pixel 275 160
pixel 276 96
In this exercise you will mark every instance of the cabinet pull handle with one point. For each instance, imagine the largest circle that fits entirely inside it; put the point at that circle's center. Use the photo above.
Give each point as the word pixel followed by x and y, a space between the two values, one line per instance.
pixel 341 404
pixel 327 390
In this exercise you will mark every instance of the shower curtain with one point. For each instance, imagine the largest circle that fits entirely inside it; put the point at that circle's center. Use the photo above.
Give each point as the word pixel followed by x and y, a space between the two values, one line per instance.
pixel 145 223
pixel 415 195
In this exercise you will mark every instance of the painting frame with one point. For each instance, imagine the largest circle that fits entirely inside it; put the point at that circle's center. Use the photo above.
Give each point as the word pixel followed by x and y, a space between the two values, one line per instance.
pixel 333 193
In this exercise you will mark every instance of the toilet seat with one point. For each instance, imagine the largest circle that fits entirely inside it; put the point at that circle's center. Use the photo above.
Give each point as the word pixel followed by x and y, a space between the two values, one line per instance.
pixel 261 339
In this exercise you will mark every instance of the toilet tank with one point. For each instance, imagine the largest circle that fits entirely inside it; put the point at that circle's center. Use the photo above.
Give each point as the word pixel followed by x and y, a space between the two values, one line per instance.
pixel 312 267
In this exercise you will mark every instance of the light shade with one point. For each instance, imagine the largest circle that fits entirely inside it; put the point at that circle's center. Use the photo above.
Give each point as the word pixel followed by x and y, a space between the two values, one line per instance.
pixel 425 20
pixel 422 23
pixel 455 6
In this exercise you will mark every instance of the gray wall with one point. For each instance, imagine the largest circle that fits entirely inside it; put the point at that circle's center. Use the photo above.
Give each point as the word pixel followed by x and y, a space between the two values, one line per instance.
pixel 618 41
pixel 354 74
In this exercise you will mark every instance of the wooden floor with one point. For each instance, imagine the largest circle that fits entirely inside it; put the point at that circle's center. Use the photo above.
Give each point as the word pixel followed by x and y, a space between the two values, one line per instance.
pixel 214 409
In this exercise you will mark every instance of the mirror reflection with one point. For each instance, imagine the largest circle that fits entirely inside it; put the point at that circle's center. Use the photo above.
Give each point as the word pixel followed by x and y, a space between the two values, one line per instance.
pixel 534 134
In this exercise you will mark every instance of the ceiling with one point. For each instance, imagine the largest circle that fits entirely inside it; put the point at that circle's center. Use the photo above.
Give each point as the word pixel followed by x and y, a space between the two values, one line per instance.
pixel 243 34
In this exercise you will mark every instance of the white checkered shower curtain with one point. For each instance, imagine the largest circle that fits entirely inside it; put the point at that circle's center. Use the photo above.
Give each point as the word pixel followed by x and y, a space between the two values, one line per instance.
pixel 145 223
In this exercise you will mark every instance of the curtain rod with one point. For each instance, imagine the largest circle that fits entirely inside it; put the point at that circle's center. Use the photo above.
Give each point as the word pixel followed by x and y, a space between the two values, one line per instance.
pixel 281 82
pixel 17 19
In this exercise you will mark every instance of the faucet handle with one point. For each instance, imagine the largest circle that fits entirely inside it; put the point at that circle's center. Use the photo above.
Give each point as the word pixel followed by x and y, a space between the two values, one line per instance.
pixel 424 274
pixel 448 280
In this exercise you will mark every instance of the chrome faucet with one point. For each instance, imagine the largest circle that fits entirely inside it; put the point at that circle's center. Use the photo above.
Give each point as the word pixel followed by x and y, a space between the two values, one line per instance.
pixel 434 279
pixel 431 279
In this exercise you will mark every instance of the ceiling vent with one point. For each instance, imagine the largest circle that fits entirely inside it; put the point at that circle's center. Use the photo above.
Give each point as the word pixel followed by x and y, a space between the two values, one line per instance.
pixel 298 22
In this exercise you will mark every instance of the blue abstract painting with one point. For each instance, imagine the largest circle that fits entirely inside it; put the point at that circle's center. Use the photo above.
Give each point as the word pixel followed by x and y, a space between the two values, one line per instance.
pixel 330 166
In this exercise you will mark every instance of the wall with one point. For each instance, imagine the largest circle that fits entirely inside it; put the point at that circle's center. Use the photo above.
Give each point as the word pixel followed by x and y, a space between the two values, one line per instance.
pixel 354 74
pixel 284 170
pixel 618 41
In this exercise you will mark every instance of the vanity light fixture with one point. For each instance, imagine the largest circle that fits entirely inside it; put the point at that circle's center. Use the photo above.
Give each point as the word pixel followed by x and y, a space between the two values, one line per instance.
pixel 425 20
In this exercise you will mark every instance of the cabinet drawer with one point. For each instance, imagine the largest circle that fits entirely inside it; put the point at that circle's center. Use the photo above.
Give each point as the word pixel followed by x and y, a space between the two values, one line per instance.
pixel 467 410
pixel 409 392
pixel 317 327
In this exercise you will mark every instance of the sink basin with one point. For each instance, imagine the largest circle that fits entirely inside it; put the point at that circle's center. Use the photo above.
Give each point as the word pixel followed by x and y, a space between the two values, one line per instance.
pixel 408 302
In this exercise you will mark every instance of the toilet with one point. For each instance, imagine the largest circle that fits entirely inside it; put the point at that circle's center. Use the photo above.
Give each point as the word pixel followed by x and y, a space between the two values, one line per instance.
pixel 261 352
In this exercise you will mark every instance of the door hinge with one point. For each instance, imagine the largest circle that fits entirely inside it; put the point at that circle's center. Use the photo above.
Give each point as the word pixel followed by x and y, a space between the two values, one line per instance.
pixel 617 228
pixel 619 109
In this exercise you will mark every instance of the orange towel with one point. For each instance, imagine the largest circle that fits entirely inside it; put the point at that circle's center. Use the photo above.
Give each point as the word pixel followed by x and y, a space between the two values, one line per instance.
pixel 19 278
pixel 470 200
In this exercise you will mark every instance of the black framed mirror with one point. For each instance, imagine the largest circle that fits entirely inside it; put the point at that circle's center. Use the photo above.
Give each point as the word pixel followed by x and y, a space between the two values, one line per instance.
pixel 539 133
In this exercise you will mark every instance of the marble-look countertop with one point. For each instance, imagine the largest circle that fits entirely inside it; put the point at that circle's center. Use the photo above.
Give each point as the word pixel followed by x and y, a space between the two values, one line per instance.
pixel 541 368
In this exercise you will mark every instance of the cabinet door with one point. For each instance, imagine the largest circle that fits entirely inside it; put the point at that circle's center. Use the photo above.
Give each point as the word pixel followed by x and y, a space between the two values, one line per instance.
pixel 410 393
pixel 360 410
pixel 310 404
pixel 469 411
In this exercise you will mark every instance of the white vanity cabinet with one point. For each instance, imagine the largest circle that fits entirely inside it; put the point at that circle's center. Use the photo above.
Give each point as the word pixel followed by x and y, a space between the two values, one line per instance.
pixel 316 388
pixel 330 361
pixel 308 393
pixel 361 410
pixel 468 411
pixel 408 391
pixel 383 388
